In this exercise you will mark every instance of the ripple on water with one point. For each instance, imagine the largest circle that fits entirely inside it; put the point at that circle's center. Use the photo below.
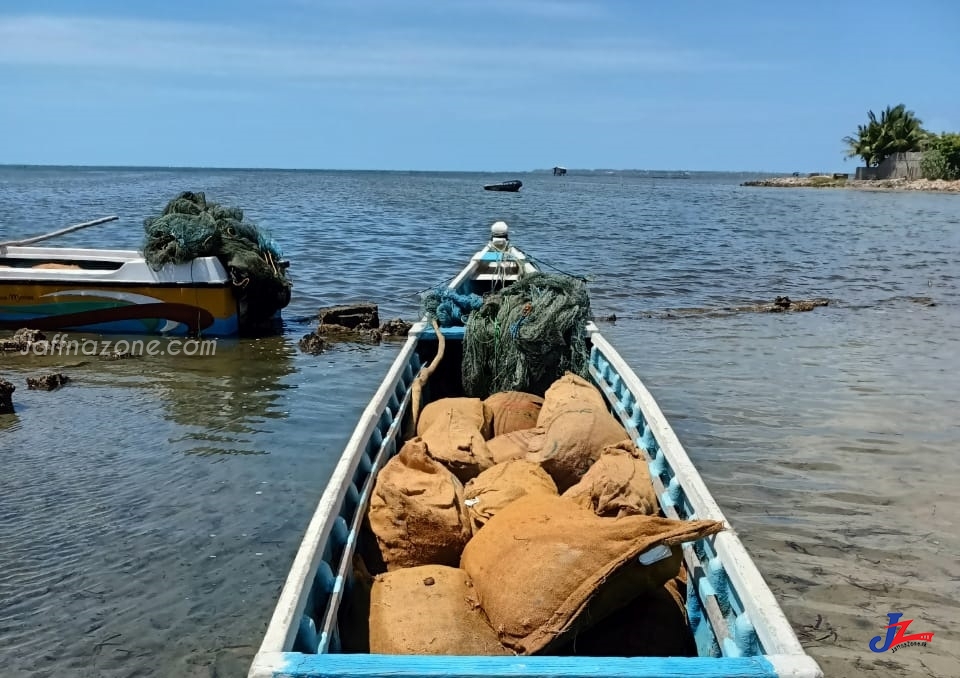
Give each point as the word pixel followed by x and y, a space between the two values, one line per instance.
pixel 149 511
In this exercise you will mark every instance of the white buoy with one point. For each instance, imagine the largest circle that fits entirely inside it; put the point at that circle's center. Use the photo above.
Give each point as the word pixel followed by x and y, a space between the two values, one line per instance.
pixel 499 236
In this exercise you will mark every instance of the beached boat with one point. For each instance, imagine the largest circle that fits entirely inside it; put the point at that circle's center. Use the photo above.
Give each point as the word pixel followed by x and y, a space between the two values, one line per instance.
pixel 114 291
pixel 117 291
pixel 509 186
pixel 737 625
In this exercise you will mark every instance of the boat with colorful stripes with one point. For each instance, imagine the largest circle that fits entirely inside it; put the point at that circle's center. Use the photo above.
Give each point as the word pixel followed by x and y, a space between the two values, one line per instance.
pixel 124 291
pixel 114 291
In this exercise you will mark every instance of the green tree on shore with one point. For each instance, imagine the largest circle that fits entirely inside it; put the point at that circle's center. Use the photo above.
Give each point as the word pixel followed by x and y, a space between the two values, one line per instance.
pixel 941 157
pixel 896 131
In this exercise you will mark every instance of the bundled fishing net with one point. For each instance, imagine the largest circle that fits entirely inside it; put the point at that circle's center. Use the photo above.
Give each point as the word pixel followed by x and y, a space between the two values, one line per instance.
pixel 190 227
pixel 449 307
pixel 526 336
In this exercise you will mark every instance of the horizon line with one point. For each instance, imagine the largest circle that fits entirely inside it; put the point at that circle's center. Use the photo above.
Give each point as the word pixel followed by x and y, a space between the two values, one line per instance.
pixel 8 165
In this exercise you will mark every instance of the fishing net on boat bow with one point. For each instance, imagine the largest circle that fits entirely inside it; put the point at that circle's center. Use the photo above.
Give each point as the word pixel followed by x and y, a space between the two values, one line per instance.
pixel 190 227
pixel 521 338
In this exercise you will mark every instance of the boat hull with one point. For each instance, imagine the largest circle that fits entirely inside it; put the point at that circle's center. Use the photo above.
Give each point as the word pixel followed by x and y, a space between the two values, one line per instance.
pixel 737 624
pixel 114 291
pixel 172 310
pixel 504 186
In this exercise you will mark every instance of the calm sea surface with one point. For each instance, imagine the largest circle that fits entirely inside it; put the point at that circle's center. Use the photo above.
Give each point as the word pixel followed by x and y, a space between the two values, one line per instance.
pixel 150 510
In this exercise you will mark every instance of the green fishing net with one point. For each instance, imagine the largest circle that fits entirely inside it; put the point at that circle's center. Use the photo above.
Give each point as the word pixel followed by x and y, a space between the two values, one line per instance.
pixel 526 336
pixel 190 227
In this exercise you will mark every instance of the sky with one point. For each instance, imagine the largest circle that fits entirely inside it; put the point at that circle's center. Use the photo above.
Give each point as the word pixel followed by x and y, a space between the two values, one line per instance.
pixel 466 85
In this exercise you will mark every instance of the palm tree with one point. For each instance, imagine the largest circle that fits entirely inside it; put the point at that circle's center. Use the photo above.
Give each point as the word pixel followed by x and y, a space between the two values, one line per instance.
pixel 897 131
pixel 864 143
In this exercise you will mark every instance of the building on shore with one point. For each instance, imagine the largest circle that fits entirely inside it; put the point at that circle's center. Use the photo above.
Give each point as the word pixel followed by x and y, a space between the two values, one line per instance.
pixel 897 166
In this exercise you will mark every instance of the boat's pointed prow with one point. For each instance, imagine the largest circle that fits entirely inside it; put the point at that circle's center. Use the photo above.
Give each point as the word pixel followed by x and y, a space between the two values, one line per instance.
pixel 499 236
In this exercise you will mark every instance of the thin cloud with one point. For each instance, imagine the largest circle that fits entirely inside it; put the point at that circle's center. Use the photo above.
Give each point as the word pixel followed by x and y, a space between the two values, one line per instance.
pixel 215 50
pixel 563 10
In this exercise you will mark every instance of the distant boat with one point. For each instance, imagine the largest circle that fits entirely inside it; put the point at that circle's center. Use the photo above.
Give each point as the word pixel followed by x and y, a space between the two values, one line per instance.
pixel 510 186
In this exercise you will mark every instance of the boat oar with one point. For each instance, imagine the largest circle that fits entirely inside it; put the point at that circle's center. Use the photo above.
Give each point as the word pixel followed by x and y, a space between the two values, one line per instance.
pixel 54 234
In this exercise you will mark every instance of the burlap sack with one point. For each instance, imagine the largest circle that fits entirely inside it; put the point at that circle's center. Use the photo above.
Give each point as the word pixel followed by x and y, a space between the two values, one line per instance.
pixel 653 625
pixel 618 483
pixel 470 410
pixel 429 609
pixel 569 392
pixel 492 490
pixel 510 411
pixel 455 441
pixel 417 511
pixel 544 568
pixel 573 442
pixel 513 445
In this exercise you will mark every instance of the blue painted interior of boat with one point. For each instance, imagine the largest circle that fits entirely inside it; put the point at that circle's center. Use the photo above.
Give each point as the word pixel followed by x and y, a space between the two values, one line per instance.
pixel 408 666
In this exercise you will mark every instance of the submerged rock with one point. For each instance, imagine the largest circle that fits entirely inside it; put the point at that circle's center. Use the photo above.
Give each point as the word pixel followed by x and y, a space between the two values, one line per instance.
pixel 47 382
pixel 352 323
pixel 6 396
pixel 357 317
pixel 312 343
pixel 22 340
pixel 395 328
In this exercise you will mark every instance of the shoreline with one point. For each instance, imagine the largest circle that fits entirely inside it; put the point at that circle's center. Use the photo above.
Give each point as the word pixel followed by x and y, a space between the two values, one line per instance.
pixel 829 181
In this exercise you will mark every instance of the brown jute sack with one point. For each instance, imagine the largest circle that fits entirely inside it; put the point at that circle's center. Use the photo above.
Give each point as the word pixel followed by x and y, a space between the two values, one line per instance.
pixel 569 392
pixel 454 441
pixel 417 511
pixel 618 483
pixel 653 625
pixel 470 410
pixel 544 568
pixel 513 445
pixel 492 490
pixel 431 609
pixel 510 411
pixel 573 441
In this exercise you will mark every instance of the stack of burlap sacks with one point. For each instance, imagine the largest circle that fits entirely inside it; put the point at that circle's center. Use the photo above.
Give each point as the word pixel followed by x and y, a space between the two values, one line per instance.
pixel 513 525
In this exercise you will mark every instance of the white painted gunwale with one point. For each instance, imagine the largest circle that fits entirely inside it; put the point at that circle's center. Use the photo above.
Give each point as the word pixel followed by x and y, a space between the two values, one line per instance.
pixel 133 269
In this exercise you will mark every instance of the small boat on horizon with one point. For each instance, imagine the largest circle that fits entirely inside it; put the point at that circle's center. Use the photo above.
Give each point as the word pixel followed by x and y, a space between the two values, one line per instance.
pixel 319 626
pixel 509 186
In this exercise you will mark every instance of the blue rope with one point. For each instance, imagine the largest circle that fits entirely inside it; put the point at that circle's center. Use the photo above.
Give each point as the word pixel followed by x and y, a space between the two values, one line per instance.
pixel 449 307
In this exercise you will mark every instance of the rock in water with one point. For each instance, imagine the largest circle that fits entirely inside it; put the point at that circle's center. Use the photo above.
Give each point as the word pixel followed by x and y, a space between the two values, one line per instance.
pixel 361 316
pixel 6 396
pixel 47 382
pixel 395 328
pixel 312 343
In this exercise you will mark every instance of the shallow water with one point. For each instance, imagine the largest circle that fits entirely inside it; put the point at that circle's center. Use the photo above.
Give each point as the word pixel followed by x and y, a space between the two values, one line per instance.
pixel 149 511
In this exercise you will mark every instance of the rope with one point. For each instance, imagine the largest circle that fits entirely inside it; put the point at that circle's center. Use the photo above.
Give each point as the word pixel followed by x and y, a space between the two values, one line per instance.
pixel 421 380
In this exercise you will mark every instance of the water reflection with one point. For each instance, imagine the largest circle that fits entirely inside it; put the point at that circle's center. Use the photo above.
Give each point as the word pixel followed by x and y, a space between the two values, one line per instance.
pixel 219 398
pixel 223 401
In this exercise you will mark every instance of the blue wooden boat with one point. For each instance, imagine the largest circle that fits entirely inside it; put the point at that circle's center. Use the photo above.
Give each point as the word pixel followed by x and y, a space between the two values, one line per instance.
pixel 737 624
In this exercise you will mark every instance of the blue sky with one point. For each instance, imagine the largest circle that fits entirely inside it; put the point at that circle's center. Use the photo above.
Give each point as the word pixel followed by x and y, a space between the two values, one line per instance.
pixel 466 84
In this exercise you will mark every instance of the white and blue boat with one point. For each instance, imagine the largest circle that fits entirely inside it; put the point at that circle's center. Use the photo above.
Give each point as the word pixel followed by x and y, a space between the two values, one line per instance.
pixel 737 624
